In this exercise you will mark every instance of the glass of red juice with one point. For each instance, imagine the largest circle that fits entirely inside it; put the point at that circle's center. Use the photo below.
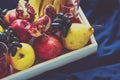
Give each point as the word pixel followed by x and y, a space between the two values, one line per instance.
pixel 70 8
pixel 4 63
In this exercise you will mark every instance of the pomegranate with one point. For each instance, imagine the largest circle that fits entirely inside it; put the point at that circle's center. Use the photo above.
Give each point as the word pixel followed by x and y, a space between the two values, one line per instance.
pixel 10 16
pixel 24 10
pixel 40 26
pixel 50 11
pixel 21 27
pixel 47 47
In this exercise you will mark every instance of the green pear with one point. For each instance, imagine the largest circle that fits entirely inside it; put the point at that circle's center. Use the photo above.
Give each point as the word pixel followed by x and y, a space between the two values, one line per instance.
pixel 77 36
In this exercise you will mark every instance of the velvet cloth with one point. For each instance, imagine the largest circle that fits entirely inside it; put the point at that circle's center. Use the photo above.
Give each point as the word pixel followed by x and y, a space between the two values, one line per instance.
pixel 104 16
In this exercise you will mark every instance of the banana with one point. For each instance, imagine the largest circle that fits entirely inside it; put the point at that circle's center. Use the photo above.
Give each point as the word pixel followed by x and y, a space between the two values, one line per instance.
pixel 36 5
pixel 56 4
pixel 42 6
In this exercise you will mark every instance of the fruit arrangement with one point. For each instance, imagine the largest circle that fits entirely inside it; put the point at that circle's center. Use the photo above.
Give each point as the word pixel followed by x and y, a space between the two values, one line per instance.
pixel 37 28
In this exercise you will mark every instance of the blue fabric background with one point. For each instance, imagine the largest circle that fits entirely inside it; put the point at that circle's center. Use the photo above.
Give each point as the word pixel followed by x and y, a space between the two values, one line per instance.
pixel 104 16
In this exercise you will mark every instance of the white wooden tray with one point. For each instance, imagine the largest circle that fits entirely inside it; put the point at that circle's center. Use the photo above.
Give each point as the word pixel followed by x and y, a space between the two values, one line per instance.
pixel 58 61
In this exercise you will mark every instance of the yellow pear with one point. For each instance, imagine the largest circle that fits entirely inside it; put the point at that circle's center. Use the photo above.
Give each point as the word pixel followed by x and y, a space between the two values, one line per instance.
pixel 24 58
pixel 78 36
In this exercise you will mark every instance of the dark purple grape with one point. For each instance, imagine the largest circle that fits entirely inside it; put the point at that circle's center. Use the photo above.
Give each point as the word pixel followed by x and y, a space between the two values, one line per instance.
pixel 65 18
pixel 3 37
pixel 57 20
pixel 17 44
pixel 64 31
pixel 10 46
pixel 14 38
pixel 62 22
pixel 4 12
pixel 56 25
pixel 8 36
pixel 60 15
pixel 10 39
pixel 14 50
pixel 68 23
pixel 2 23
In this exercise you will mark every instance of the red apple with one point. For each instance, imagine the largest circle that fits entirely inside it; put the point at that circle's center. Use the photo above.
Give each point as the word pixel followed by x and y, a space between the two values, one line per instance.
pixel 47 47
pixel 21 27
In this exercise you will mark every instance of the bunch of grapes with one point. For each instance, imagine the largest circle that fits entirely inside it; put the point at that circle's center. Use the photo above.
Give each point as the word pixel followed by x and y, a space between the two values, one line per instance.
pixel 62 22
pixel 8 37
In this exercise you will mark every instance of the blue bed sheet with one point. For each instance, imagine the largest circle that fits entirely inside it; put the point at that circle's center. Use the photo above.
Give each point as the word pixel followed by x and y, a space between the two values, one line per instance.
pixel 104 16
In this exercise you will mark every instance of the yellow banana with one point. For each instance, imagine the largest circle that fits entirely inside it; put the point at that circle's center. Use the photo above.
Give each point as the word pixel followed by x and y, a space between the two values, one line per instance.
pixel 36 5
pixel 56 4
pixel 42 6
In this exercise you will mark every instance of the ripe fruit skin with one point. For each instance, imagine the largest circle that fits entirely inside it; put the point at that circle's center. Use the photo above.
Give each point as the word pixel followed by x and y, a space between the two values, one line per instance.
pixel 78 36
pixel 50 11
pixel 24 57
pixel 21 27
pixel 24 10
pixel 10 16
pixel 1 29
pixel 47 47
